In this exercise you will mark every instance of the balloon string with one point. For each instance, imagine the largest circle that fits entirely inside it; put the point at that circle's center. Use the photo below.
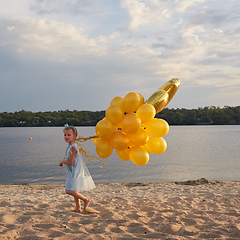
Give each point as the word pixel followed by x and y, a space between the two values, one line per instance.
pixel 85 153
pixel 84 139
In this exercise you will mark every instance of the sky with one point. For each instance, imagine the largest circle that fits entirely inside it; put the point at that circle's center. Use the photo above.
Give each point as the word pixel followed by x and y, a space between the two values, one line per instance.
pixel 79 54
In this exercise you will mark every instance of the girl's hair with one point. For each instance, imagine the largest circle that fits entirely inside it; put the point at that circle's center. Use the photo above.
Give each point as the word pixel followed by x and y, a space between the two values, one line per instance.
pixel 71 128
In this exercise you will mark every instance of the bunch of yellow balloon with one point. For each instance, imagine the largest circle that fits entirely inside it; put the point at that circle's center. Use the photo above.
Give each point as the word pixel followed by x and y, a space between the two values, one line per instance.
pixel 130 126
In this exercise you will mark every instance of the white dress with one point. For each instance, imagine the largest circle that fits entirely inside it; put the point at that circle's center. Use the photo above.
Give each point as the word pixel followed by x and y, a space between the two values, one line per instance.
pixel 79 177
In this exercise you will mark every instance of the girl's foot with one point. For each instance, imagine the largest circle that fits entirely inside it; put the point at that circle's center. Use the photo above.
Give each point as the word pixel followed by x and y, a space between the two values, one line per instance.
pixel 86 203
pixel 77 211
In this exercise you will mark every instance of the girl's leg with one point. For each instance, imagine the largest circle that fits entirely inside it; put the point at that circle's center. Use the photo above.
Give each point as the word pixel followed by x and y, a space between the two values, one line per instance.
pixel 79 196
pixel 78 205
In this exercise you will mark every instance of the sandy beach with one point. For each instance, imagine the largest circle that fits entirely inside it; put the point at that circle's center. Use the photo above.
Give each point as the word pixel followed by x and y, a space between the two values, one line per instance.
pixel 184 210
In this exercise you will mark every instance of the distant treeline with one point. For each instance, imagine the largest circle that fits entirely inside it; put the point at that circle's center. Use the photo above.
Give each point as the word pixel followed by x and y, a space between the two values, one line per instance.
pixel 201 116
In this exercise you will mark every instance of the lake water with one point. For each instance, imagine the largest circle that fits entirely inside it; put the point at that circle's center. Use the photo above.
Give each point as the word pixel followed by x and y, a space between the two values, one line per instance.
pixel 193 152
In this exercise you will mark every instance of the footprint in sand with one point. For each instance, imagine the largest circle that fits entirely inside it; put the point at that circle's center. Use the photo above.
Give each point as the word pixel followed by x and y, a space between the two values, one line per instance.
pixel 95 230
pixel 26 233
pixel 30 237
pixel 43 205
pixel 5 204
pixel 133 216
pixel 189 221
pixel 56 234
pixel 137 228
pixel 23 219
pixel 45 225
pixel 116 230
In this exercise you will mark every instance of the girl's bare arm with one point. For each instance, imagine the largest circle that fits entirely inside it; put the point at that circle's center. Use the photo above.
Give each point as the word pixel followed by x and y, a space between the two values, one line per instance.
pixel 71 158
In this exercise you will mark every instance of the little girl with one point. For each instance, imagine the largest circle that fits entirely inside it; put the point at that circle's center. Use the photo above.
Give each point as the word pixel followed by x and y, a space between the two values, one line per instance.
pixel 79 177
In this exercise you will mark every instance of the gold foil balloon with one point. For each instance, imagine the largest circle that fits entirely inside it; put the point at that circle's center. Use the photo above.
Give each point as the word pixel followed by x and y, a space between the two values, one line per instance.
pixel 131 102
pixel 114 114
pixel 159 100
pixel 156 145
pixel 131 124
pixel 139 156
pixel 104 129
pixel 156 127
pixel 123 154
pixel 118 101
pixel 104 148
pixel 171 87
pixel 146 112
pixel 119 140
pixel 139 138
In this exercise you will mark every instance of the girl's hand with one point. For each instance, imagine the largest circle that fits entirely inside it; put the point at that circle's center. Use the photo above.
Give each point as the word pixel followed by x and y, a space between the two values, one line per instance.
pixel 60 164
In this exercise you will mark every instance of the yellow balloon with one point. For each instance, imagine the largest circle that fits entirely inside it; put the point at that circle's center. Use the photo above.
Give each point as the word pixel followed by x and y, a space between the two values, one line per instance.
pixel 139 138
pixel 156 127
pixel 159 100
pixel 146 112
pixel 156 145
pixel 96 140
pixel 141 99
pixel 119 140
pixel 114 114
pixel 139 156
pixel 123 154
pixel 104 129
pixel 171 88
pixel 131 102
pixel 119 125
pixel 145 148
pixel 118 101
pixel 104 148
pixel 131 124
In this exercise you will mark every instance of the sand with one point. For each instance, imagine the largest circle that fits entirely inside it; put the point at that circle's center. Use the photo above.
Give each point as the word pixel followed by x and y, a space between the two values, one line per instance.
pixel 188 210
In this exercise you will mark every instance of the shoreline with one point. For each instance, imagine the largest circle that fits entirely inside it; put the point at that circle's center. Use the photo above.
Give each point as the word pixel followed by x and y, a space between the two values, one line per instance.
pixel 199 209
pixel 187 182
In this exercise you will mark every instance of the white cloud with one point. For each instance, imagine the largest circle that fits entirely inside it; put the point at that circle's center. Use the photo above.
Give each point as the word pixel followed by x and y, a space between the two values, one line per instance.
pixel 10 28
pixel 183 5
pixel 44 37
pixel 145 12
pixel 191 38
